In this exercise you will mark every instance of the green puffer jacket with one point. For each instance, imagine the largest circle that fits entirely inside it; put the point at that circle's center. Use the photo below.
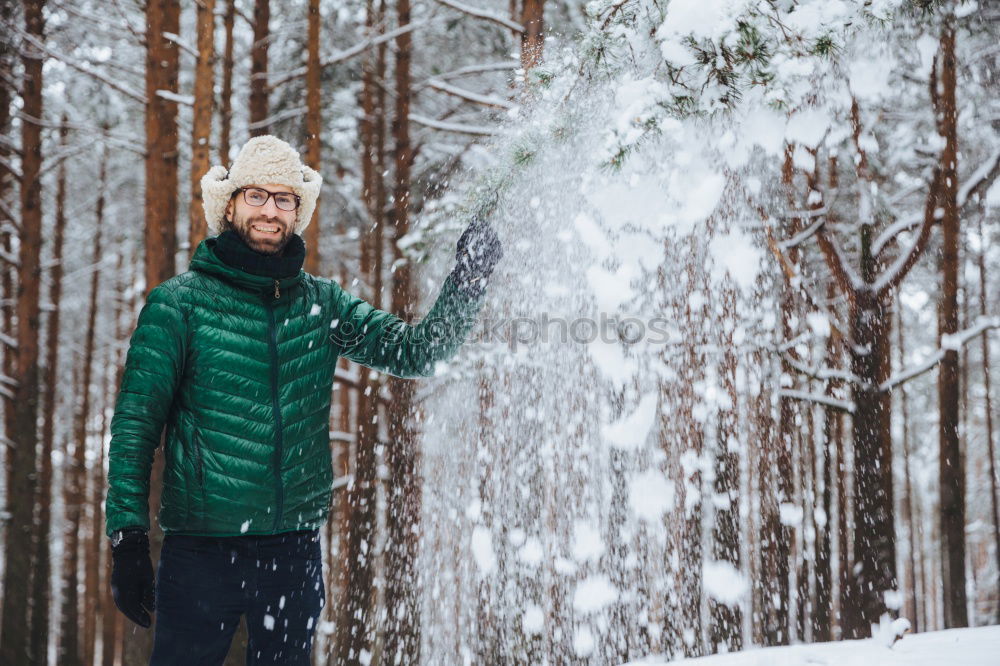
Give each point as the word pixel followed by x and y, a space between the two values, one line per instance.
pixel 239 368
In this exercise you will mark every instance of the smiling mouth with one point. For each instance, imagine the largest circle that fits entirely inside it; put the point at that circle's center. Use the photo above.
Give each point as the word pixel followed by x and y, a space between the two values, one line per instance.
pixel 269 229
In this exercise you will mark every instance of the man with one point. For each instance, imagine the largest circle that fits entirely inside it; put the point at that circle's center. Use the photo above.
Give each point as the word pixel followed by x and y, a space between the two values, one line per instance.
pixel 236 358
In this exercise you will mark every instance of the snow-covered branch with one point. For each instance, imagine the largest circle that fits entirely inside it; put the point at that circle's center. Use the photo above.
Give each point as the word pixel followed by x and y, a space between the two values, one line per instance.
pixel 170 96
pixel 7 340
pixel 980 179
pixel 952 342
pixel 468 95
pixel 287 114
pixel 176 39
pixel 453 127
pixel 83 69
pixel 843 405
pixel 476 69
pixel 347 54
pixel 803 235
pixel 820 373
pixel 893 275
pixel 483 14
pixel 889 234
pixel 10 167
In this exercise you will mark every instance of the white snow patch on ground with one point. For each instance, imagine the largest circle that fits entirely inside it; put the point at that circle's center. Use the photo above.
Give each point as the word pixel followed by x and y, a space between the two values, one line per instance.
pixel 954 647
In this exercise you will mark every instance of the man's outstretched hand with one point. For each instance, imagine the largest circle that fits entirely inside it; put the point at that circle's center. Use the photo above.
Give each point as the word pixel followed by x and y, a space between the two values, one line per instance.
pixel 132 577
pixel 477 255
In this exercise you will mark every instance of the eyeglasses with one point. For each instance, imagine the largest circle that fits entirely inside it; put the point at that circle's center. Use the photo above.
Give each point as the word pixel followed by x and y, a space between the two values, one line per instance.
pixel 255 196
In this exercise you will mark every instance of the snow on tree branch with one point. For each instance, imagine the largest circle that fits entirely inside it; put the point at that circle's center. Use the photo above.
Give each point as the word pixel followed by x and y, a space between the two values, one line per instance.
pixel 980 179
pixel 842 405
pixel 948 343
pixel 347 54
pixel 83 69
pixel 483 14
pixel 453 127
pixel 468 95
pixel 186 100
pixel 893 275
pixel 287 114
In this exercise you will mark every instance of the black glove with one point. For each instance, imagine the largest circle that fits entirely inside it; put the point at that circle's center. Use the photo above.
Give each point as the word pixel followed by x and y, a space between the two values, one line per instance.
pixel 132 575
pixel 478 252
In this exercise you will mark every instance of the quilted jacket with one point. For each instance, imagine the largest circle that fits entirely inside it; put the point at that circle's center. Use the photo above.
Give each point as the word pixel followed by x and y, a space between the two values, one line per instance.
pixel 239 368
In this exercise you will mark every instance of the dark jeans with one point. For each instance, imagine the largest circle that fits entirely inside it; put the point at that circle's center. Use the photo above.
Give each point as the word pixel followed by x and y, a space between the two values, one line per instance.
pixel 204 585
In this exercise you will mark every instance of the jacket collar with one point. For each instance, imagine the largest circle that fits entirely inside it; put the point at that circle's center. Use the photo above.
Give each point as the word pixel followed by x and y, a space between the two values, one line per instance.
pixel 206 261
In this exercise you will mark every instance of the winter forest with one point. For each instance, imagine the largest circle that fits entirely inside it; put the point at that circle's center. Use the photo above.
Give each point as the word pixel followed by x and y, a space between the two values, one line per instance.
pixel 733 384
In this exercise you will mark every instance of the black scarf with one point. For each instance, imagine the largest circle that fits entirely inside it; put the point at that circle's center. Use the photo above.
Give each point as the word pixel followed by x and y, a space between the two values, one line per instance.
pixel 230 248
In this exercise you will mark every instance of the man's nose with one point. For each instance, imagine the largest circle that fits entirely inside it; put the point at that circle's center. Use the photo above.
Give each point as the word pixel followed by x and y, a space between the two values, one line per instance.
pixel 270 209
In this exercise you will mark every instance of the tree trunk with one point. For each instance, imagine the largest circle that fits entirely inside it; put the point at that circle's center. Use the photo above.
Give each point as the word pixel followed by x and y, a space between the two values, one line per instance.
pixel 258 68
pixel 15 638
pixel 161 141
pixel 9 47
pixel 201 124
pixel 987 388
pixel 226 103
pixel 110 624
pixel 314 129
pixel 356 628
pixel 908 506
pixel 160 239
pixel 874 567
pixel 40 586
pixel 951 471
pixel 92 542
pixel 73 644
pixel 404 492
pixel 725 630
pixel 533 37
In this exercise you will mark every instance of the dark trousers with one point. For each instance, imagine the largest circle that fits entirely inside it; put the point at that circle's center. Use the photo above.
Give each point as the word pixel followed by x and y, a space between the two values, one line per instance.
pixel 205 584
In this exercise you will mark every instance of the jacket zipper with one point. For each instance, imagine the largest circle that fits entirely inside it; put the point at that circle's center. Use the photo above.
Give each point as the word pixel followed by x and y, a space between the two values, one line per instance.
pixel 276 409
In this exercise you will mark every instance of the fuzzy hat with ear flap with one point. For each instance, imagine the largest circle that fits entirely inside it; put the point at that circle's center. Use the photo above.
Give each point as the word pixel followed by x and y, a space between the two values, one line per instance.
pixel 263 160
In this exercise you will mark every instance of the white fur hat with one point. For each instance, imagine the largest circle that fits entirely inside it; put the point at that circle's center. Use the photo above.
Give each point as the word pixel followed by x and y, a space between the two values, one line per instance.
pixel 262 160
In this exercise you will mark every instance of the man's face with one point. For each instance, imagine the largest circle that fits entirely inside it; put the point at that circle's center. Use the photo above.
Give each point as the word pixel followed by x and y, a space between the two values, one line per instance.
pixel 266 229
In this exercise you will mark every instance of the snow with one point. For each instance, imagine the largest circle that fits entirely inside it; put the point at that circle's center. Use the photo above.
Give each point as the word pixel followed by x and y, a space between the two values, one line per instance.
pixel 723 582
pixel 533 620
pixel 482 550
pixel 651 495
pixel 269 622
pixel 631 432
pixel 737 255
pixel 807 127
pixel 954 647
pixel 594 594
pixel 587 542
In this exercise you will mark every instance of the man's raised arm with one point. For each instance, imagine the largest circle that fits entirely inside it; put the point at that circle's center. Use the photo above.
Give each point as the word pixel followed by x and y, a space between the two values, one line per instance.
pixel 382 341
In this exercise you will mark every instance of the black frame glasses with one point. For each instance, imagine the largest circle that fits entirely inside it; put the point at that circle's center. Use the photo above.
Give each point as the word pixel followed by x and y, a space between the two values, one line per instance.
pixel 296 198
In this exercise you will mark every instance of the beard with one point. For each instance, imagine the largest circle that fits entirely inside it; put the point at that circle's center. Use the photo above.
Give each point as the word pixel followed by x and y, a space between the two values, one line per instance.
pixel 262 242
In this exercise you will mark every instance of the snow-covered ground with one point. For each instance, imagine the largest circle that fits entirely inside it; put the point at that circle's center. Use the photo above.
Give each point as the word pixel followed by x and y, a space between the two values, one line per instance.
pixel 956 647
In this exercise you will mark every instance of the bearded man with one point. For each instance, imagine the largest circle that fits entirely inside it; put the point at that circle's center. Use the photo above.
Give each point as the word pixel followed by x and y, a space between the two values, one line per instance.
pixel 235 358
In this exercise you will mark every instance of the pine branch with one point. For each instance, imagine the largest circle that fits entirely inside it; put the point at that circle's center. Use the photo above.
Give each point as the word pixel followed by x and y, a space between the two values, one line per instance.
pixel 895 274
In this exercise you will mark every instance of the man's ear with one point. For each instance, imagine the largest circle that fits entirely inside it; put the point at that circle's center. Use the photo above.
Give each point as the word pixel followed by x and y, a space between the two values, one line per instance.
pixel 230 205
